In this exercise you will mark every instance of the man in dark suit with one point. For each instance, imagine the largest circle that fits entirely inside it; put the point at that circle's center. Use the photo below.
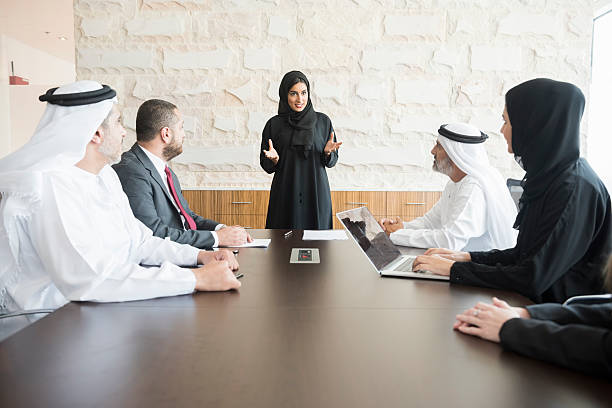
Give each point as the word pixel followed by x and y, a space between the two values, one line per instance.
pixel 153 189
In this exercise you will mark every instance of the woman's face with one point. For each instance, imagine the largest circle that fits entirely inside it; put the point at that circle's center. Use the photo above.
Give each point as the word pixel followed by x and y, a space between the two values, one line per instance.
pixel 298 97
pixel 506 130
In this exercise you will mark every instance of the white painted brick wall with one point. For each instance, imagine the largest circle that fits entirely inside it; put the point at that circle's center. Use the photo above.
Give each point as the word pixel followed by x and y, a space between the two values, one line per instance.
pixel 325 89
pixel 96 27
pixel 257 121
pixel 387 73
pixel 490 58
pixel 201 88
pixel 235 25
pixel 420 123
pixel 364 124
pixel 197 60
pixel 282 26
pixel 423 91
pixel 143 90
pixel 199 23
pixel 224 123
pixel 421 26
pixel 522 23
pixel 156 2
pixel 369 90
pixel 580 24
pixel 344 25
pixel 264 58
pixel 247 93
pixel 129 120
pixel 387 58
pixel 448 57
pixel 105 58
pixel 272 92
pixel 162 26
pixel 190 124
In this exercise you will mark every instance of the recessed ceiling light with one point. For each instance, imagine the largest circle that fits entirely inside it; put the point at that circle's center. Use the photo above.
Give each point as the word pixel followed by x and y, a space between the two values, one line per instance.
pixel 62 38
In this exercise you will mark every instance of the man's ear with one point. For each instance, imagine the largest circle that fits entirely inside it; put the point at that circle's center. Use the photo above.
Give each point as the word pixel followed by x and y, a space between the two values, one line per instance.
pixel 165 134
pixel 98 137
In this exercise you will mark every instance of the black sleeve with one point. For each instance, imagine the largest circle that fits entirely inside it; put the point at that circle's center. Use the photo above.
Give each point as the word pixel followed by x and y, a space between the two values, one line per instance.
pixel 267 164
pixel 567 210
pixel 331 160
pixel 137 187
pixel 575 346
pixel 593 315
pixel 494 257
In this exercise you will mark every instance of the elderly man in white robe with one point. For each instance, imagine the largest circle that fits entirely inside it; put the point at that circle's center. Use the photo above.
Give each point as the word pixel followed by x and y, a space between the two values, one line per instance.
pixel 475 211
pixel 66 228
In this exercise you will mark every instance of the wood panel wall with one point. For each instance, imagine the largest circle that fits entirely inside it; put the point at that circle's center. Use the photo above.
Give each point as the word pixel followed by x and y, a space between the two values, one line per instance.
pixel 249 207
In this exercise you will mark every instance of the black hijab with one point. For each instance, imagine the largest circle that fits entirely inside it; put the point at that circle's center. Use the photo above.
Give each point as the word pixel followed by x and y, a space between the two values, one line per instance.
pixel 302 123
pixel 545 118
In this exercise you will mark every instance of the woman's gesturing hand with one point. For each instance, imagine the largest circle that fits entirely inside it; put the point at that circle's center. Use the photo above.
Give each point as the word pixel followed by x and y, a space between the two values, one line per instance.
pixel 331 146
pixel 271 152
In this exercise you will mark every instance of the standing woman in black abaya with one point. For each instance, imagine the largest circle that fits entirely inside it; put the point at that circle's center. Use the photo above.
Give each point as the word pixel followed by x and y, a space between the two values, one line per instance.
pixel 297 145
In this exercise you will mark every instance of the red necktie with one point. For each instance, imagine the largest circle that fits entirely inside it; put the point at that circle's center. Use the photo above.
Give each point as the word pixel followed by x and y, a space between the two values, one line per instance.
pixel 190 221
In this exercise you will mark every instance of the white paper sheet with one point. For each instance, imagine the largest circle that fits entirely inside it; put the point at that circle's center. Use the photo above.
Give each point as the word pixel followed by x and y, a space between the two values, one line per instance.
pixel 323 235
pixel 257 243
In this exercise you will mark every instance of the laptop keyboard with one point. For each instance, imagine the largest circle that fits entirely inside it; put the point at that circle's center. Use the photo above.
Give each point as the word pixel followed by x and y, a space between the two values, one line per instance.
pixel 406 266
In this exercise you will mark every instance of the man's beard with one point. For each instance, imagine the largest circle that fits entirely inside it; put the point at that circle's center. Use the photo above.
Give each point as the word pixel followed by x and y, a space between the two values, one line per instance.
pixel 443 166
pixel 112 154
pixel 172 150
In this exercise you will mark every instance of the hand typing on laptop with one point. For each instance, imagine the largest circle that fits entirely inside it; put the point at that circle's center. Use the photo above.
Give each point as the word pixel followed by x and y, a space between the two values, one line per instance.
pixel 458 256
pixel 433 263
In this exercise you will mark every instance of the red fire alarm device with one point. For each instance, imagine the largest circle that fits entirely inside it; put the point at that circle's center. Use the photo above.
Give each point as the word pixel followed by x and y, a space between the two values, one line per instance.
pixel 17 80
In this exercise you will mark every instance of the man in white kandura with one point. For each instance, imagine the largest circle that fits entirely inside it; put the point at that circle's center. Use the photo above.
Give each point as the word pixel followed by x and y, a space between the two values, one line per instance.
pixel 475 211
pixel 66 228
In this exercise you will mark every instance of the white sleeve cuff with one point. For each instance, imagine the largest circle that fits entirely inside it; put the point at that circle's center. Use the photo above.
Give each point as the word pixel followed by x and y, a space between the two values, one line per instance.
pixel 216 237
pixel 193 254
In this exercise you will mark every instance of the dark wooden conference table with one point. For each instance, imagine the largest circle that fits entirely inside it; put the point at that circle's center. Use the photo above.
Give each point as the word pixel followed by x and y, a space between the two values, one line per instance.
pixel 333 334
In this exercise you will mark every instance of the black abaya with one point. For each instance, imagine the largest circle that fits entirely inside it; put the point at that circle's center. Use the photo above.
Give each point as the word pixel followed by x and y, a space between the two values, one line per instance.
pixel 299 196
pixel 577 337
pixel 565 219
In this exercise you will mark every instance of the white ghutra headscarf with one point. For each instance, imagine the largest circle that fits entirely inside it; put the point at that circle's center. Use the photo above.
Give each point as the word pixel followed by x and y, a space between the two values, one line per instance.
pixel 464 145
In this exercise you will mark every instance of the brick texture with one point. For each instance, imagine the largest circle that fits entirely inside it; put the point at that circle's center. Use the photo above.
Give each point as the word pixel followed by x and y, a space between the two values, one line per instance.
pixel 387 72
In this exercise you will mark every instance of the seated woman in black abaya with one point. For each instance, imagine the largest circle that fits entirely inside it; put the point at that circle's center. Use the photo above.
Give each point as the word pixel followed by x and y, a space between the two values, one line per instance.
pixel 564 219
pixel 297 145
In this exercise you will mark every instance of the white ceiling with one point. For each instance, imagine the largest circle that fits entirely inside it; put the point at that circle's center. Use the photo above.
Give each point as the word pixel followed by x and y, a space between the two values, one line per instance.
pixel 29 20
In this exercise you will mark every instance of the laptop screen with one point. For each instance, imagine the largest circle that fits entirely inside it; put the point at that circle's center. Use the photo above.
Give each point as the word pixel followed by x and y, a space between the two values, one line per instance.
pixel 369 235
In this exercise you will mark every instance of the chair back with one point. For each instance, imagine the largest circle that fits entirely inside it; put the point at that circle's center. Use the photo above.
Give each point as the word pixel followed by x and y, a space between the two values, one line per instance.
pixel 516 190
pixel 589 299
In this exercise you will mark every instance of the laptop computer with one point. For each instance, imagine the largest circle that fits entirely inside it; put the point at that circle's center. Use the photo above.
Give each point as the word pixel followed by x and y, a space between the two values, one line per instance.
pixel 378 248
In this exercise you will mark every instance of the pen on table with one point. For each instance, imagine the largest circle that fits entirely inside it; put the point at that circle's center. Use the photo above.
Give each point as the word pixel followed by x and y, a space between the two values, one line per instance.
pixel 288 234
pixel 240 275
